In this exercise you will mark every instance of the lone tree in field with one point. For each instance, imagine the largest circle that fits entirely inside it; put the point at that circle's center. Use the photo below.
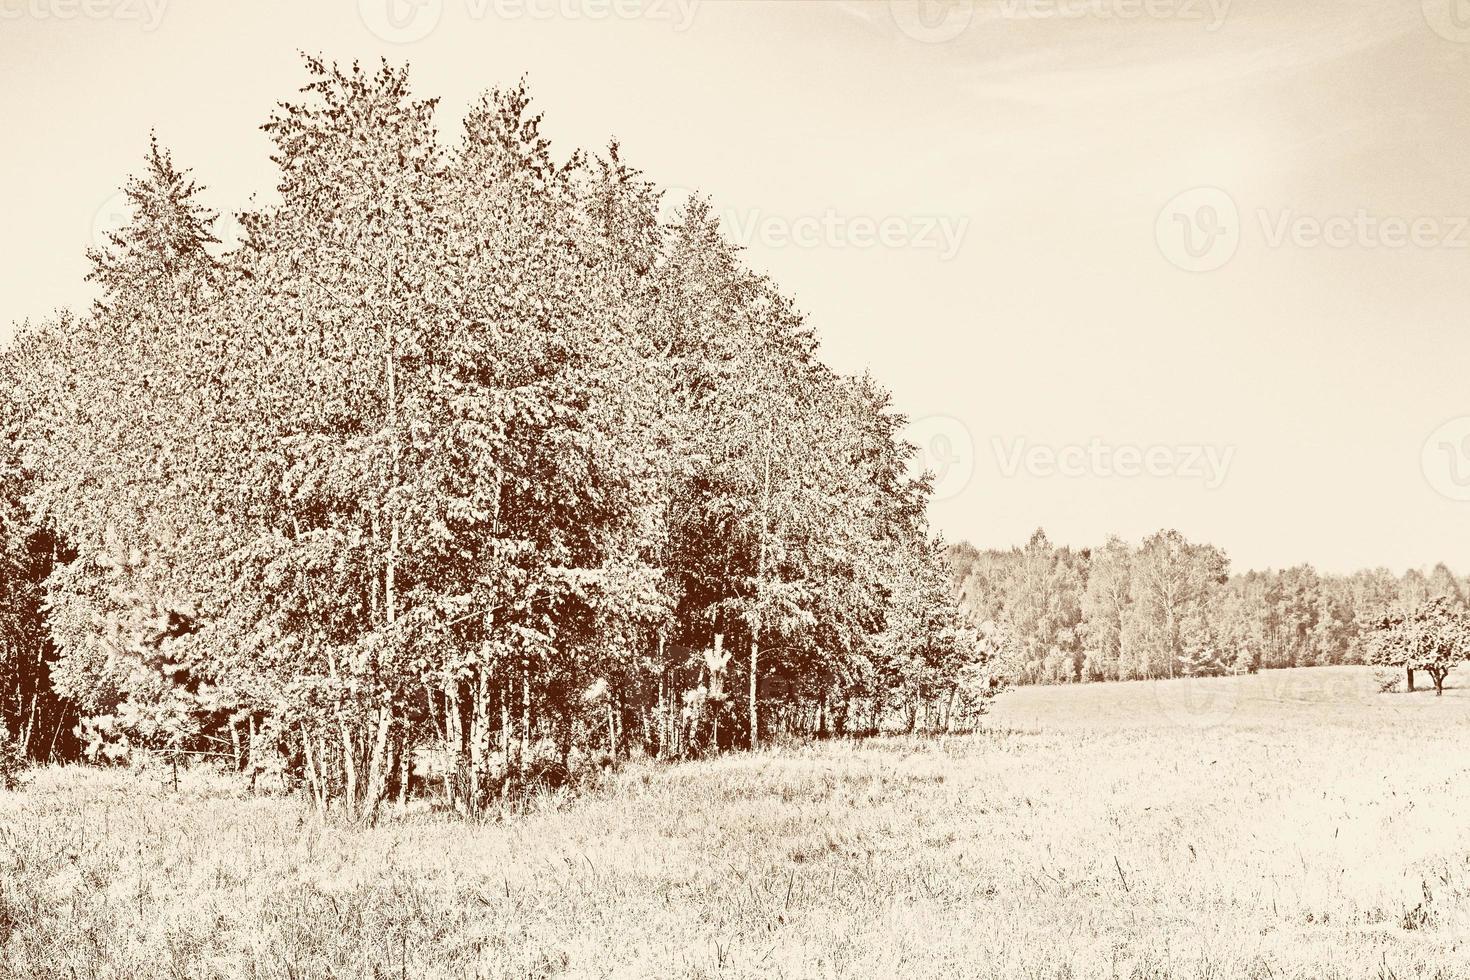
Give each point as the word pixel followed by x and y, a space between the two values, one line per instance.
pixel 1432 638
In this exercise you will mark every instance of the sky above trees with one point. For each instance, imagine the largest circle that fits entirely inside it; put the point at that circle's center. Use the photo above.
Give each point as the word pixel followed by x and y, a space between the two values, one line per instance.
pixel 982 213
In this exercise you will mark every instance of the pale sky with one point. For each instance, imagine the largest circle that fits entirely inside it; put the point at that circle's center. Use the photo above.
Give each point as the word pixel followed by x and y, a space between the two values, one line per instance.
pixel 1220 246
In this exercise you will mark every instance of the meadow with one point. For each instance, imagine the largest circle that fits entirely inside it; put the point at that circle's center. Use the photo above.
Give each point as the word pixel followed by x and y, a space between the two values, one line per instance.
pixel 1294 823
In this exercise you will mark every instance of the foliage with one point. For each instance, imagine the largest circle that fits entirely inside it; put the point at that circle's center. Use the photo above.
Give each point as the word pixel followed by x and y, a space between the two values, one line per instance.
pixel 458 434
pixel 1167 607
pixel 1434 637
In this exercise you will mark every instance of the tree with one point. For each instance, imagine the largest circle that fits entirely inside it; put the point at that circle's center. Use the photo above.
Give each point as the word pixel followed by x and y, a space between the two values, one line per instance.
pixel 1434 637
pixel 1043 608
pixel 460 450
pixel 1174 583
pixel 1105 607
pixel 934 664
pixel 34 720
pixel 108 432
pixel 1442 582
pixel 1241 611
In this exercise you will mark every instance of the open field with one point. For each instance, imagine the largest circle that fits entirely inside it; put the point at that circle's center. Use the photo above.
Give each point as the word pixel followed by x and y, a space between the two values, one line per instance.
pixel 1291 824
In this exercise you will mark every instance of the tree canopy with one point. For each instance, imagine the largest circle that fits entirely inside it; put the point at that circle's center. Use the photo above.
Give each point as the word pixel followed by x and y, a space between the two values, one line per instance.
pixel 463 462
pixel 1433 637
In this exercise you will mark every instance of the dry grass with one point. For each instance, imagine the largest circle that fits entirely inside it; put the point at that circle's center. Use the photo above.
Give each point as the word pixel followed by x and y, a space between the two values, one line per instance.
pixel 1295 824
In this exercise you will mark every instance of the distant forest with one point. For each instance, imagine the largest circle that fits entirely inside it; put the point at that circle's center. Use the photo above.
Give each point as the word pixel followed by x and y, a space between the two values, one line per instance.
pixel 1170 607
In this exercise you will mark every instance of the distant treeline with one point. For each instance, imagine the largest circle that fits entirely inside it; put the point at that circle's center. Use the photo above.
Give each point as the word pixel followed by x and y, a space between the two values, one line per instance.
pixel 465 462
pixel 1169 607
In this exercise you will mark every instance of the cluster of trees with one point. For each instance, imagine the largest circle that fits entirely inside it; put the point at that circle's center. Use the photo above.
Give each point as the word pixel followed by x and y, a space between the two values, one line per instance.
pixel 1433 637
pixel 1170 607
pixel 460 456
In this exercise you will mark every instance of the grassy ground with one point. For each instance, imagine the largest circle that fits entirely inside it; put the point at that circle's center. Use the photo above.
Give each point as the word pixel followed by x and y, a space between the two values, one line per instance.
pixel 1293 824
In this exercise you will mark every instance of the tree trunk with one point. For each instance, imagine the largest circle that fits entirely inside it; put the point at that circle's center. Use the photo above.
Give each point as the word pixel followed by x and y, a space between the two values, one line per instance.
pixel 620 722
pixel 382 715
pixel 30 726
pixel 377 784
pixel 505 733
pixel 612 732
pixel 1411 677
pixel 479 747
pixel 755 656
pixel 755 646
pixel 525 750
pixel 454 749
pixel 235 744
pixel 662 746
pixel 717 694
pixel 564 735
pixel 316 780
pixel 405 768
pixel 377 774
pixel 349 770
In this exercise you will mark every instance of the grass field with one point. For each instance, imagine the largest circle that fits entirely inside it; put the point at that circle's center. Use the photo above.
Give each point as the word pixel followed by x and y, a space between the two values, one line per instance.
pixel 1290 824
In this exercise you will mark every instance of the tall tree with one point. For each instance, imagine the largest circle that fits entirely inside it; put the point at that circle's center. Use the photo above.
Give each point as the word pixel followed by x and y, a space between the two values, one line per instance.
pixel 1105 608
pixel 1173 584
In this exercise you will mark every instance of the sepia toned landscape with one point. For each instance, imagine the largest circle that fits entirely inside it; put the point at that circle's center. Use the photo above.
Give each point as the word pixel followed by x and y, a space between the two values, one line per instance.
pixel 778 488
pixel 1294 823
